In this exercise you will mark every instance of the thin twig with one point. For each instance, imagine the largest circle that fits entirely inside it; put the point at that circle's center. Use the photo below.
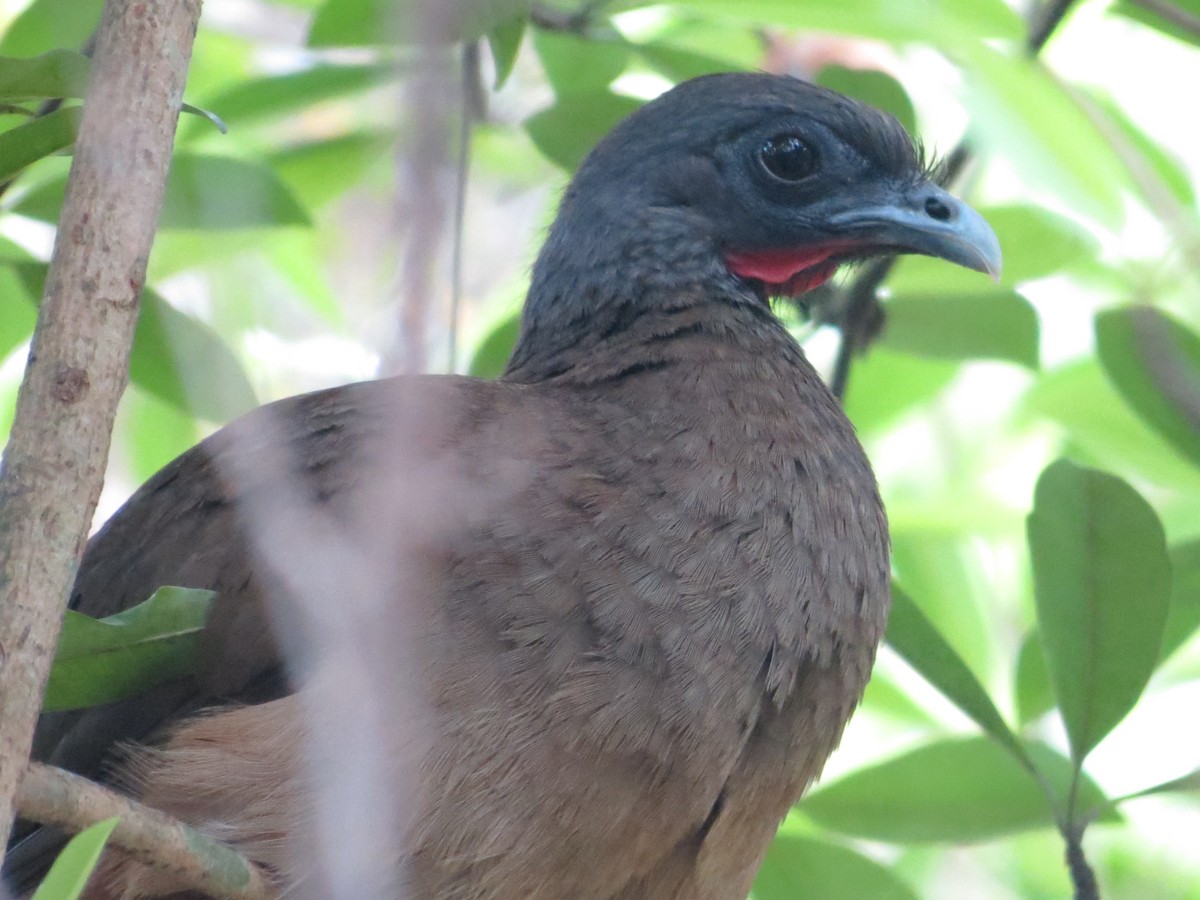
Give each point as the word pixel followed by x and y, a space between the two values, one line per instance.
pixel 196 861
pixel 470 81
pixel 79 360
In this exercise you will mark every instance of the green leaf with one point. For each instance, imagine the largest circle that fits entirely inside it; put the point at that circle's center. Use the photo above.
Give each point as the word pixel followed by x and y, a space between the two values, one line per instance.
pixel 1080 399
pixel 1154 362
pixel 493 351
pixel 59 73
pixel 175 356
pixel 690 47
pixel 884 385
pixel 1156 20
pixel 505 43
pixel 955 789
pixel 798 866
pixel 75 863
pixel 576 65
pixel 319 172
pixel 16 318
pixel 102 660
pixel 915 638
pixel 566 131
pixel 874 87
pixel 1183 617
pixel 1036 243
pixel 355 23
pixel 208 192
pixel 885 697
pixel 947 24
pixel 48 24
pixel 185 362
pixel 1185 784
pixel 990 324
pixel 678 63
pixel 1035 696
pixel 1102 584
pixel 1024 115
pixel 36 139
pixel 263 99
pixel 1166 164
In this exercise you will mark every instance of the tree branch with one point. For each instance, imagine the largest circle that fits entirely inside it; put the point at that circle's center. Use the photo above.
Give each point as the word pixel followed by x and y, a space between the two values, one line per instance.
pixel 1082 876
pixel 57 797
pixel 78 363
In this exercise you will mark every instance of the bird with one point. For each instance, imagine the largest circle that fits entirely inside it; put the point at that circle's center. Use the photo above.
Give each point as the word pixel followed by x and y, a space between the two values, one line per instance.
pixel 645 616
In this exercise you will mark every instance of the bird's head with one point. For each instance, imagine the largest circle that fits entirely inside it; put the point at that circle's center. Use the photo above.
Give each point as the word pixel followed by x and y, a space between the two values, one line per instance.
pixel 750 185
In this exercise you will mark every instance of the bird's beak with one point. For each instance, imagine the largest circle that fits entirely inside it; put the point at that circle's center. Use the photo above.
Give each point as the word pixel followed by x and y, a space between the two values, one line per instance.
pixel 926 220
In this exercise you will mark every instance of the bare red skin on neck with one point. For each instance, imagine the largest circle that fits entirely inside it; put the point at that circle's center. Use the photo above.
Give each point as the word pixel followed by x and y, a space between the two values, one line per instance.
pixel 788 273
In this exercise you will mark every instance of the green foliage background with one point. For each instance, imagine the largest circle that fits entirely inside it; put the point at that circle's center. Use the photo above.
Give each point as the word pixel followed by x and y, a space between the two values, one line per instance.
pixel 1038 440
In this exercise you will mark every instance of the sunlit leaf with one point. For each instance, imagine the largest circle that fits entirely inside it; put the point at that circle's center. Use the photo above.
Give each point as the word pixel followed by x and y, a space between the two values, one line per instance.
pixel 571 127
pixel 1035 241
pixel 690 47
pixel 69 874
pixel 505 42
pixel 874 87
pixel 36 139
pixel 102 660
pixel 1185 784
pixel 991 324
pixel 915 638
pixel 494 350
pixel 1102 586
pixel 49 24
pixel 1019 111
pixel 16 318
pixel 797 867
pixel 346 23
pixel 1080 399
pixel 575 65
pixel 1154 362
pixel 209 192
pixel 318 172
pixel 885 697
pixel 921 21
pixel 885 385
pixel 1162 160
pixel 956 789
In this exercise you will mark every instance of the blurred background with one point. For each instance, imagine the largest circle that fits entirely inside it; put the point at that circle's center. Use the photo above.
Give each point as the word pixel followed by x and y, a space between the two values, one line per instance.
pixel 285 263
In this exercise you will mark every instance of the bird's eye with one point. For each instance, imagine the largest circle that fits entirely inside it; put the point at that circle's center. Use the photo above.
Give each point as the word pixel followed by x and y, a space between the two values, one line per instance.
pixel 788 157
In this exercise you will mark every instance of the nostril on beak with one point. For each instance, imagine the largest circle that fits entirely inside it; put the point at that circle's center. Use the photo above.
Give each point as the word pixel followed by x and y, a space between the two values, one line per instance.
pixel 935 208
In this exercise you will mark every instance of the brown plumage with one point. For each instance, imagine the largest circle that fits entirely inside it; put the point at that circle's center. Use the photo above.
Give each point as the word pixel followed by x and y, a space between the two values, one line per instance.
pixel 642 621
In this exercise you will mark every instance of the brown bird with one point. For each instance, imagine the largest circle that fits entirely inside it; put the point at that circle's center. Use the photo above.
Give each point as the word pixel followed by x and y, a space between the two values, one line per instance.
pixel 640 617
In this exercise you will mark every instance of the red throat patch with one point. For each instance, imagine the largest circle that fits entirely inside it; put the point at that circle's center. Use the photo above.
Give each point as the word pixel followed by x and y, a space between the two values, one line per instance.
pixel 788 273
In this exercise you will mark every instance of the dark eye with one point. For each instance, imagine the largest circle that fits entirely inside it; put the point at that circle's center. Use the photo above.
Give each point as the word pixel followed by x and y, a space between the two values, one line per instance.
pixel 788 157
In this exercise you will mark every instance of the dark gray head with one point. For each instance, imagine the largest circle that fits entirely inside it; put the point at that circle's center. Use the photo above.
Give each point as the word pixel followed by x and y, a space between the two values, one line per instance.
pixel 744 185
